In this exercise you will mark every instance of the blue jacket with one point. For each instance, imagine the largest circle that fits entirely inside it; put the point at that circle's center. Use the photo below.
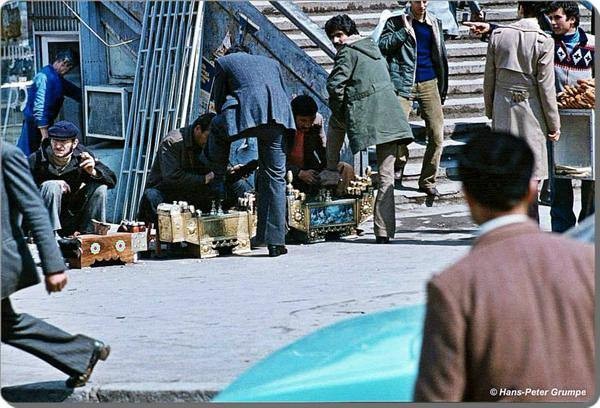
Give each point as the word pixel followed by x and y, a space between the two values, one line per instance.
pixel 398 44
pixel 249 91
pixel 46 96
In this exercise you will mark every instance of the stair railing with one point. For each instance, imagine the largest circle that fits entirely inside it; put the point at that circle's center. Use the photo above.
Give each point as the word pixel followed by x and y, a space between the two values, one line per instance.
pixel 295 14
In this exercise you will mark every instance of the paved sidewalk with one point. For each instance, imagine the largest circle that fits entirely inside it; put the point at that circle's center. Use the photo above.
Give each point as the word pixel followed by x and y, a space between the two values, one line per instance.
pixel 182 329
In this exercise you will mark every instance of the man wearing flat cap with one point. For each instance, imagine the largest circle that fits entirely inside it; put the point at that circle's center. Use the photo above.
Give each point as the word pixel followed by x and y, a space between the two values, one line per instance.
pixel 72 182
pixel 45 99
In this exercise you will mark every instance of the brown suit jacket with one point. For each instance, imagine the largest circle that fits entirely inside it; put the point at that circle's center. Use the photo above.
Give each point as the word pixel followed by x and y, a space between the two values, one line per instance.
pixel 516 313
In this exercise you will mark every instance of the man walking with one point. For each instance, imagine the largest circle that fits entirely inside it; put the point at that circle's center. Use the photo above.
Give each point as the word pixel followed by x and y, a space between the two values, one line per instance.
pixel 413 44
pixel 516 313
pixel 251 101
pixel 574 52
pixel 74 355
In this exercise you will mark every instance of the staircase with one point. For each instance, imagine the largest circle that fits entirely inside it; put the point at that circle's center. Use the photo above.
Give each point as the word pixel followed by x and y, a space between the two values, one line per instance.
pixel 463 109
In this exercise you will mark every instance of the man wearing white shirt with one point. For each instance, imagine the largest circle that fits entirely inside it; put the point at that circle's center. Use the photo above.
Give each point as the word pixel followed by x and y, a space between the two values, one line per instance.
pixel 517 312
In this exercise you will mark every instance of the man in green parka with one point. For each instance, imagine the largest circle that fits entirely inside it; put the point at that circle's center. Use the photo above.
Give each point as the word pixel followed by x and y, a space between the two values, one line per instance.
pixel 364 106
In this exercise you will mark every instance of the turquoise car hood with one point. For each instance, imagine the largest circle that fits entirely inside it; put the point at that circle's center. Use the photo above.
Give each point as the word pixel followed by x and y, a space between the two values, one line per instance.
pixel 369 358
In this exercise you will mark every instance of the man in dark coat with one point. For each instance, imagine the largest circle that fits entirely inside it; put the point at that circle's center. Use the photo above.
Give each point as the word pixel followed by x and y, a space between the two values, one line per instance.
pixel 74 355
pixel 251 101
pixel 179 173
pixel 45 99
pixel 73 183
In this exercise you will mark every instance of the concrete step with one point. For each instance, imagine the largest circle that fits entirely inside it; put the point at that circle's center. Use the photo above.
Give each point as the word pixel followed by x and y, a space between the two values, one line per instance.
pixel 453 127
pixel 466 67
pixel 458 106
pixel 465 86
pixel 367 19
pixel 409 194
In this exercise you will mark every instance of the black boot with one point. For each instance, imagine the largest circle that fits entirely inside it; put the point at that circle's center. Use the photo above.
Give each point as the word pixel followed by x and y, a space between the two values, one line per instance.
pixel 276 250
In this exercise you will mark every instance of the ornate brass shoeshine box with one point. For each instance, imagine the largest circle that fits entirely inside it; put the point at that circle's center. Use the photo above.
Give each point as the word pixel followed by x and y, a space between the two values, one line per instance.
pixel 207 233
pixel 315 217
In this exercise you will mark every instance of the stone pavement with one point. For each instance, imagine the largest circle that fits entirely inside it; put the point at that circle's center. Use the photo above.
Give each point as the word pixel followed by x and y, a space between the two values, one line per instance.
pixel 182 329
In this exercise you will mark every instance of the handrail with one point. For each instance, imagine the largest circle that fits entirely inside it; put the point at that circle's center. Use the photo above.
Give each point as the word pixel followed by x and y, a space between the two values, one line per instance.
pixel 295 14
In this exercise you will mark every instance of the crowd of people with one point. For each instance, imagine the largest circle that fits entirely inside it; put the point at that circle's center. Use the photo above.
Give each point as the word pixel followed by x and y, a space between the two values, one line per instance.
pixel 373 86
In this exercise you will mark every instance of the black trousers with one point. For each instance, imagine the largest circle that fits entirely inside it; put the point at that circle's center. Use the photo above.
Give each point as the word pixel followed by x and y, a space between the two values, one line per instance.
pixel 70 354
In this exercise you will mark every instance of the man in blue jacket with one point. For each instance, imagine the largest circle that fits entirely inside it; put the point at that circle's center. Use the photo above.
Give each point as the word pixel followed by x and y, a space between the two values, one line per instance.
pixel 45 99
pixel 414 47
pixel 250 100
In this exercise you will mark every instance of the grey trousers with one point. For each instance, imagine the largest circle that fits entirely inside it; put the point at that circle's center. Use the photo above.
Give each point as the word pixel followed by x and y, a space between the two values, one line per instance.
pixel 74 211
pixel 70 354
pixel 384 213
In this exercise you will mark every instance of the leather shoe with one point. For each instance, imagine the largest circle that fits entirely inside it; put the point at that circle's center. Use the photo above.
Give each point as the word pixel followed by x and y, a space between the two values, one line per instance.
pixel 276 250
pixel 430 191
pixel 100 352
pixel 68 244
pixel 382 240
pixel 68 247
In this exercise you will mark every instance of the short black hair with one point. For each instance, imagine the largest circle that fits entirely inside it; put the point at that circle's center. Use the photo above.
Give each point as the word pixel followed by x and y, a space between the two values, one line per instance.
pixel 531 8
pixel 571 9
pixel 203 121
pixel 340 22
pixel 495 169
pixel 68 56
pixel 237 48
pixel 304 105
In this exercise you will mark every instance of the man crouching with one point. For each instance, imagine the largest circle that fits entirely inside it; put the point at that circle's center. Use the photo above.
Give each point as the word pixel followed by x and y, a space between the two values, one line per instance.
pixel 72 182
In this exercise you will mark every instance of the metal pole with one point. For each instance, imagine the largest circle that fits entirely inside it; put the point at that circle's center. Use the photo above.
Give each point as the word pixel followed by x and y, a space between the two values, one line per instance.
pixel 117 213
pixel 295 14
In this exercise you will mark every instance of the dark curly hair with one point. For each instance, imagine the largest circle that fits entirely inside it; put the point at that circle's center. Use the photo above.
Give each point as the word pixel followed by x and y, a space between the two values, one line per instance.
pixel 342 23
pixel 571 9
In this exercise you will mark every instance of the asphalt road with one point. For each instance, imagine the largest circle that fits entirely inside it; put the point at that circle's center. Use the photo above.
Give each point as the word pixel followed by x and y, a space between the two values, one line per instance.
pixel 181 321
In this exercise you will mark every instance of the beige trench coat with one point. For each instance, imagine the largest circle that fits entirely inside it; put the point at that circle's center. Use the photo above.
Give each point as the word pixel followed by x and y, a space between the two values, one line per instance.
pixel 519 89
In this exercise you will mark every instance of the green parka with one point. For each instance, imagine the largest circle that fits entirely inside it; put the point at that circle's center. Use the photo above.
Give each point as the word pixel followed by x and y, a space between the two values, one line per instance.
pixel 362 96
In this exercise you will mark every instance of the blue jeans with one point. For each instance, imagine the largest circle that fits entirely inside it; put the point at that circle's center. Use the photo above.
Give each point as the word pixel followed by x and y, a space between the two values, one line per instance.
pixel 561 211
pixel 270 177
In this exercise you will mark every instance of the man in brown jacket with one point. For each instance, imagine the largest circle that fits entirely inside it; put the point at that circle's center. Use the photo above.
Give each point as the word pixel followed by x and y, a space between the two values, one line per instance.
pixel 514 319
pixel 518 87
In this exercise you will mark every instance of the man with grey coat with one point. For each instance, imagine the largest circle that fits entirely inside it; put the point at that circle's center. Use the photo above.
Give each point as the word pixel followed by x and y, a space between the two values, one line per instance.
pixel 250 100
pixel 74 355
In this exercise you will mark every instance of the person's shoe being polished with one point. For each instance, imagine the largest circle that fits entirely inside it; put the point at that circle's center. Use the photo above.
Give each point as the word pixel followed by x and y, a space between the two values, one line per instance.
pixel 101 352
pixel 277 250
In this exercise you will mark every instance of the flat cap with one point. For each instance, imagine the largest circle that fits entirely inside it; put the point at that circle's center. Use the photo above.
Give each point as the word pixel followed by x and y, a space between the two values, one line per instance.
pixel 63 130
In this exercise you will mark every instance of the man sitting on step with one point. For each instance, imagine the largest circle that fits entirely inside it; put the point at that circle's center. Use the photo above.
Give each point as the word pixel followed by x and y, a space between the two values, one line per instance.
pixel 306 158
pixel 72 181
